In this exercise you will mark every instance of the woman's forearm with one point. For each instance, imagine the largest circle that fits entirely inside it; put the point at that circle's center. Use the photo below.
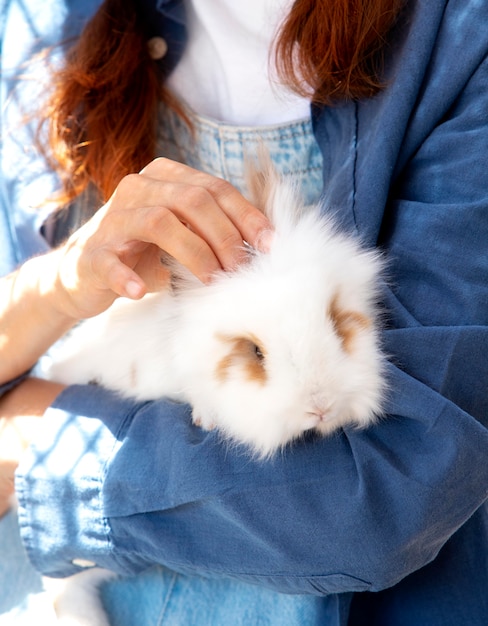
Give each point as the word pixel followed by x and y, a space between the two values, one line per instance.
pixel 20 413
pixel 30 318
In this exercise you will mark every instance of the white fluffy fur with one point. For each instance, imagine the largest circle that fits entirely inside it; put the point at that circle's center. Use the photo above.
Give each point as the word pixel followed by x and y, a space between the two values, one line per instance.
pixel 76 599
pixel 174 343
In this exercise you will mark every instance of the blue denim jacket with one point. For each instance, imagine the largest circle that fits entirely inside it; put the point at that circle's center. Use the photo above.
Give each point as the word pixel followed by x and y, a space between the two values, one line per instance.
pixel 398 509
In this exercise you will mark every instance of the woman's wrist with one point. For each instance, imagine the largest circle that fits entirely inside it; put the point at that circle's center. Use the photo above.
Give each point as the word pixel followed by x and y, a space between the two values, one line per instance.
pixel 40 277
pixel 29 399
pixel 31 315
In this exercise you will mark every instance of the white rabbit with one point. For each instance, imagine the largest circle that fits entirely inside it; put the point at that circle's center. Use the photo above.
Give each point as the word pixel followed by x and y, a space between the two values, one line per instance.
pixel 286 343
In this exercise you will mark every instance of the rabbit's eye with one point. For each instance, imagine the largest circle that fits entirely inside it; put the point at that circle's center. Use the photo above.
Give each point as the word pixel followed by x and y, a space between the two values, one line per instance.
pixel 245 355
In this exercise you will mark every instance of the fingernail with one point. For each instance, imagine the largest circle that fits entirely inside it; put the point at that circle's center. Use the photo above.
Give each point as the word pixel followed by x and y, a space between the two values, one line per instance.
pixel 133 289
pixel 264 240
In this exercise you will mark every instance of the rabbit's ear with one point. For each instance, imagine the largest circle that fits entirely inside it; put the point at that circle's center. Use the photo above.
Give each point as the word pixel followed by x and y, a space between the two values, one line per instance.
pixel 347 323
pixel 261 178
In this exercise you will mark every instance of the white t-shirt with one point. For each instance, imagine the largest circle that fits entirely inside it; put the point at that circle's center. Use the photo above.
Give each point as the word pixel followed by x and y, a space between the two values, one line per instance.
pixel 227 71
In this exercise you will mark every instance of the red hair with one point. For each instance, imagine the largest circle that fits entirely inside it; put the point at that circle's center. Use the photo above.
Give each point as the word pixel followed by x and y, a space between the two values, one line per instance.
pixel 102 115
pixel 333 49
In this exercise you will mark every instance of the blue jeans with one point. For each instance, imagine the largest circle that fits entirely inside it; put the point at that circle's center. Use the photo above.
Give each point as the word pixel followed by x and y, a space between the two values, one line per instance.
pixel 223 150
pixel 20 585
pixel 157 597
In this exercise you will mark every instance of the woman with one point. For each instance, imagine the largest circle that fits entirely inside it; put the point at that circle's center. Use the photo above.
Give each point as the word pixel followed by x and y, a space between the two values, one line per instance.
pixel 398 509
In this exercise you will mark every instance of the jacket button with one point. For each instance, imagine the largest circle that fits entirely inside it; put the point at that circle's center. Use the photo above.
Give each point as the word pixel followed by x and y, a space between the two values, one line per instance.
pixel 157 48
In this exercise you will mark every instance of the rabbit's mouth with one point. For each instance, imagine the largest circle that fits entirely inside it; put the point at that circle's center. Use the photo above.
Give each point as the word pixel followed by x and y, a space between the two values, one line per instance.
pixel 316 417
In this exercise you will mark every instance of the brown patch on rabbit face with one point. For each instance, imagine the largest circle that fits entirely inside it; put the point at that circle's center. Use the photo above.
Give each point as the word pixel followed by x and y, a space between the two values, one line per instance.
pixel 245 352
pixel 347 324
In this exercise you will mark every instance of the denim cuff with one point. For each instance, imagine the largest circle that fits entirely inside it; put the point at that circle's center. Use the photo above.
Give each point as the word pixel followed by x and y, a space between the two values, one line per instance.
pixel 63 472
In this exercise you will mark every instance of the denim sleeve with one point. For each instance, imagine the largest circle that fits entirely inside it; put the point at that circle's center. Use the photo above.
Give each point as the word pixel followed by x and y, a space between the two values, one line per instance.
pixel 126 485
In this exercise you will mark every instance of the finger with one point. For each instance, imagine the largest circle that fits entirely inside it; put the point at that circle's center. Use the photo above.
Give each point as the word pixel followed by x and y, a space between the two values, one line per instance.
pixel 109 271
pixel 192 204
pixel 197 209
pixel 156 276
pixel 145 259
pixel 161 227
pixel 249 220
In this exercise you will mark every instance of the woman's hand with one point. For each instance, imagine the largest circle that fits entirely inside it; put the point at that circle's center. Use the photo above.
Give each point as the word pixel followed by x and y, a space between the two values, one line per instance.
pixel 198 219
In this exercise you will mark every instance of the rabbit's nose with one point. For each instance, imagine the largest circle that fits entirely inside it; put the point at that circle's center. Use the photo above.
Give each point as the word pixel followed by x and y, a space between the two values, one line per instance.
pixel 315 417
pixel 320 405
